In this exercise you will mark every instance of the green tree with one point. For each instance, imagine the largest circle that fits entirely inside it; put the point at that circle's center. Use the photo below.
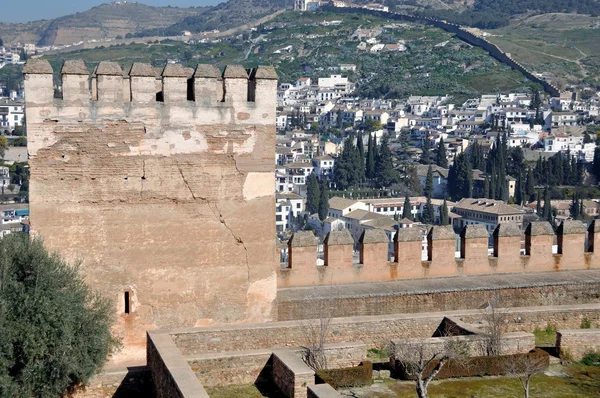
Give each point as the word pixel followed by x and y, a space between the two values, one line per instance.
pixel 596 166
pixel 575 206
pixel 346 171
pixel 371 155
pixel 444 219
pixel 428 216
pixel 428 190
pixel 547 205
pixel 426 154
pixel 360 167
pixel 486 187
pixel 384 168
pixel 441 159
pixel 324 200
pixel 55 330
pixel 460 178
pixel 313 194
pixel 406 208
pixel 530 185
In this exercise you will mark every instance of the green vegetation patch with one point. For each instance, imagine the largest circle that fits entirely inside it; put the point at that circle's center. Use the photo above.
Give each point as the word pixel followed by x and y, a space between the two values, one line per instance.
pixel 432 61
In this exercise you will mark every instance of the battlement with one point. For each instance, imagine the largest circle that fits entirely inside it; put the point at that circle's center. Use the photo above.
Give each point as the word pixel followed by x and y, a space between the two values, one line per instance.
pixel 204 86
pixel 474 259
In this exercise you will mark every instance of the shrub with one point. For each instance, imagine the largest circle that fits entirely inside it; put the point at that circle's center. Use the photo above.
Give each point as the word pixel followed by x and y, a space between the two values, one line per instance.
pixel 585 324
pixel 55 330
pixel 356 376
pixel 592 358
pixel 476 366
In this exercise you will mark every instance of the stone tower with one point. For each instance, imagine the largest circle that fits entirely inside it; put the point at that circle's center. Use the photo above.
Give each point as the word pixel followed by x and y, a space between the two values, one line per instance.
pixel 162 185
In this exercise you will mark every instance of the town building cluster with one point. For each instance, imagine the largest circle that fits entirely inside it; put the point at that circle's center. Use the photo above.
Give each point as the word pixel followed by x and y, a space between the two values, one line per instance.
pixel 316 115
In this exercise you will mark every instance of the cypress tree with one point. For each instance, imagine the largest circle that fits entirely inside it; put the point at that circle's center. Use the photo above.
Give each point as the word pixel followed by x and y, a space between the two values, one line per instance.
pixel 384 167
pixel 444 219
pixel 596 166
pixel 493 186
pixel 530 186
pixel 575 206
pixel 519 190
pixel 441 159
pixel 324 200
pixel 313 194
pixel 370 163
pixel 428 191
pixel 486 187
pixel 538 206
pixel 361 157
pixel 425 155
pixel 406 208
pixel 547 205
pixel 428 216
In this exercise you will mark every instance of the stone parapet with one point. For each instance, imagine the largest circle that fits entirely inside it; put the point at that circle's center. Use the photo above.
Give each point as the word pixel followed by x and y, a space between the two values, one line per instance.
pixel 506 256
pixel 574 344
pixel 290 374
pixel 171 375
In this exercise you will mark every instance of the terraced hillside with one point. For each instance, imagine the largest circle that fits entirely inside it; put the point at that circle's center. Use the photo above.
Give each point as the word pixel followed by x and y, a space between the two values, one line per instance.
pixel 104 21
pixel 419 60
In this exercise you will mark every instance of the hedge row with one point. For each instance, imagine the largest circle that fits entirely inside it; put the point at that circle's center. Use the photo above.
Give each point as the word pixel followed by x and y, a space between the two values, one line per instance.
pixel 481 366
pixel 356 376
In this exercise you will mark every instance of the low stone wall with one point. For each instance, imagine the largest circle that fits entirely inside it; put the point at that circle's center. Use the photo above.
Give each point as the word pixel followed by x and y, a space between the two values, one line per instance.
pixel 171 375
pixel 322 391
pixel 511 343
pixel 132 382
pixel 290 374
pixel 245 367
pixel 374 331
pixel 573 344
pixel 442 294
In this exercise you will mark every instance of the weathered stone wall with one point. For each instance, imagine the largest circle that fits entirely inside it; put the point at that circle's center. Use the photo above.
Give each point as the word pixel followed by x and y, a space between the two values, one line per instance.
pixel 133 382
pixel 159 192
pixel 511 343
pixel 290 374
pixel 573 344
pixel 474 259
pixel 441 294
pixel 171 375
pixel 245 367
pixel 374 331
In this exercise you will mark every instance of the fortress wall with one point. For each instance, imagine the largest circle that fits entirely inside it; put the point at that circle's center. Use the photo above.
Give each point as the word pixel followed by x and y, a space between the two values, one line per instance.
pixel 374 331
pixel 474 259
pixel 159 192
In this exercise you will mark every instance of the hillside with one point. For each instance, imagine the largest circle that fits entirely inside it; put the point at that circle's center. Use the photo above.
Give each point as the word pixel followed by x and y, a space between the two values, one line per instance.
pixel 491 14
pixel 432 61
pixel 103 21
pixel 562 47
pixel 224 16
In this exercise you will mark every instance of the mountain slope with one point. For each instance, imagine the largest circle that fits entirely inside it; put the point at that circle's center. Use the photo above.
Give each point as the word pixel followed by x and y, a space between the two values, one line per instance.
pixel 103 21
pixel 224 16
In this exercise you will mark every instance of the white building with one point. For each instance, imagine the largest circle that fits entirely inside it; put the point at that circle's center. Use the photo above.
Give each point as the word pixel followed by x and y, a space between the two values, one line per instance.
pixel 289 206
pixel 324 166
pixel 12 114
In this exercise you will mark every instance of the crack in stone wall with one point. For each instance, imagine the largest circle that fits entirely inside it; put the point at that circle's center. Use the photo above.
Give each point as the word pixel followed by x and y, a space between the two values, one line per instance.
pixel 219 215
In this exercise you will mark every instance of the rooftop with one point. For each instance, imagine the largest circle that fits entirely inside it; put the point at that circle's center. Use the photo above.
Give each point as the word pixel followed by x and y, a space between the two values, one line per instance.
pixel 486 206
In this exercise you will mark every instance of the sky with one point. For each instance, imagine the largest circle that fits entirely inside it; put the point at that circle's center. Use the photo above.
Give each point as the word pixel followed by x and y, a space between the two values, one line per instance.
pixel 32 10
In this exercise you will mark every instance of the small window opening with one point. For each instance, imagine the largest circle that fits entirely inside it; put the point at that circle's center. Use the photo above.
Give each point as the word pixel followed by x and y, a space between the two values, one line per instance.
pixel 127 309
